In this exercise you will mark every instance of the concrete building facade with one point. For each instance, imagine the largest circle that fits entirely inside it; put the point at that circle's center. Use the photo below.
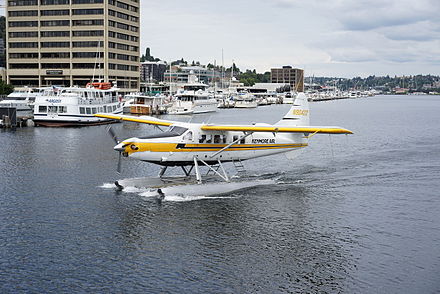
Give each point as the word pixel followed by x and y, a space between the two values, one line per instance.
pixel 72 42
pixel 288 75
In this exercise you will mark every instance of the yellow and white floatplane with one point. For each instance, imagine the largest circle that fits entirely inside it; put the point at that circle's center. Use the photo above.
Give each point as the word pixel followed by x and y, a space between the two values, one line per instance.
pixel 193 145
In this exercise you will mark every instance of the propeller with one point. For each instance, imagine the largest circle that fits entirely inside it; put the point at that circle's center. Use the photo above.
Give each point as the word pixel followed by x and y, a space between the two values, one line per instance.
pixel 112 134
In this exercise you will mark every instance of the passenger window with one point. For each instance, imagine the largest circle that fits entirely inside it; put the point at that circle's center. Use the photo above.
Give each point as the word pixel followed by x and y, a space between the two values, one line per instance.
pixel 243 141
pixel 94 110
pixel 42 109
pixel 235 138
pixel 223 139
pixel 88 110
pixel 209 139
pixel 216 139
pixel 82 110
pixel 202 138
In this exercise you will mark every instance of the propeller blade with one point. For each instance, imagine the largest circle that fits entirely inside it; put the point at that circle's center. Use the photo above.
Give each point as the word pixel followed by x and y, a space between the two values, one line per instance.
pixel 118 169
pixel 112 134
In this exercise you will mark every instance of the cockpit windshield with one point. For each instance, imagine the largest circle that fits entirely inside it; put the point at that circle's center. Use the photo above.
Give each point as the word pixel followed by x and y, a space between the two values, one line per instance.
pixel 172 131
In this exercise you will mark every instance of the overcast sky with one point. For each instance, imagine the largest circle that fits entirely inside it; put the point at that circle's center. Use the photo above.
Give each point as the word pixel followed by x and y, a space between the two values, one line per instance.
pixel 343 38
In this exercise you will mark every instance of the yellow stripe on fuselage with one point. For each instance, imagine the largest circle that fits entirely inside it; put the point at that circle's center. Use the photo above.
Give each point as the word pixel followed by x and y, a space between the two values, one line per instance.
pixel 172 147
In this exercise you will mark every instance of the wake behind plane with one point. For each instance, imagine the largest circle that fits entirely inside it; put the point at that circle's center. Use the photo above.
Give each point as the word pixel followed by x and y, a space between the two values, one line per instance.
pixel 191 145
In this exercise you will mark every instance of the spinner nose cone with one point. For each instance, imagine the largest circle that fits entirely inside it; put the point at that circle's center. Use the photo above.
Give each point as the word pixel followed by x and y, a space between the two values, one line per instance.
pixel 120 147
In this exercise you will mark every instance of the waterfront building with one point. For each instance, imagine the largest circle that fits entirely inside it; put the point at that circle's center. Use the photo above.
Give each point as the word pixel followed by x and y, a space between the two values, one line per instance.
pixel 72 42
pixel 153 71
pixel 180 74
pixel 288 75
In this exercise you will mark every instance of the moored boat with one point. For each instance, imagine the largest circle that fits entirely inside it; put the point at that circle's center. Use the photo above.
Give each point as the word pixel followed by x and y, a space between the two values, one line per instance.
pixel 75 106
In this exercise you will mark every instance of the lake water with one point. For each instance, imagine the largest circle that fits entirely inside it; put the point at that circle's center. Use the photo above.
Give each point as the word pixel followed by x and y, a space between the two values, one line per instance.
pixel 351 214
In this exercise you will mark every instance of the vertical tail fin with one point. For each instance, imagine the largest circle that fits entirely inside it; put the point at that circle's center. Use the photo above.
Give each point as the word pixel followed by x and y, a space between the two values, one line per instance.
pixel 299 113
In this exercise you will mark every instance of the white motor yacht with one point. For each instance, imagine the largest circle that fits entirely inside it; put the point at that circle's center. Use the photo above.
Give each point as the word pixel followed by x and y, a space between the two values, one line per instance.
pixel 245 100
pixel 192 99
pixel 22 101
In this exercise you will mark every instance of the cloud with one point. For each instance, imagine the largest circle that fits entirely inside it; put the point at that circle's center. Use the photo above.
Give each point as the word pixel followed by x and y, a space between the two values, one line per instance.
pixel 367 15
pixel 344 37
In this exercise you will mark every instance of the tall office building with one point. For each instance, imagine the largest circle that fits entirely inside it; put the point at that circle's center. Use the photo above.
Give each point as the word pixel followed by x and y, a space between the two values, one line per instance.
pixel 71 42
pixel 288 75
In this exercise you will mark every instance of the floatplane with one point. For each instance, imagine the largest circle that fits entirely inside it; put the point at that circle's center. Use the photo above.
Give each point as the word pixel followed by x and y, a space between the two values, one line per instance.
pixel 192 145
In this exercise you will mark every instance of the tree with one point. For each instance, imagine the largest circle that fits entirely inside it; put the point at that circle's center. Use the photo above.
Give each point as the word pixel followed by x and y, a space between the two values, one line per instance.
pixel 5 89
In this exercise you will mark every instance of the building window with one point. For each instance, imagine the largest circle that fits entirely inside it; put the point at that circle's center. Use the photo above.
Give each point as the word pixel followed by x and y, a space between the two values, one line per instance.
pixel 88 33
pixel 23 34
pixel 55 44
pixel 55 12
pixel 88 22
pixel 122 57
pixel 55 55
pixel 88 65
pixel 86 1
pixel 23 65
pixel 23 55
pixel 88 44
pixel 49 34
pixel 23 13
pixel 134 68
pixel 54 2
pixel 23 44
pixel 23 3
pixel 122 67
pixel 87 11
pixel 15 24
pixel 55 23
pixel 55 65
pixel 88 54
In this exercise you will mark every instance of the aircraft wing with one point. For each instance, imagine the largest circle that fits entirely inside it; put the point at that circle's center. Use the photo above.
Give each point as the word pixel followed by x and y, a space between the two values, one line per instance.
pixel 139 119
pixel 278 129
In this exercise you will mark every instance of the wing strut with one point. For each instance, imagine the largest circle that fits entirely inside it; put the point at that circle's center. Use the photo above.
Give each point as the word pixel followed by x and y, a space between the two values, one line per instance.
pixel 246 134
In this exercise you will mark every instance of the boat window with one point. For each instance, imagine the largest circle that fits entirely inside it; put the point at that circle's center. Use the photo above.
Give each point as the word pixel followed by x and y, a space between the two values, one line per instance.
pixel 82 110
pixel 234 138
pixel 42 109
pixel 202 139
pixel 88 110
pixel 223 138
pixel 217 139
pixel 100 109
pixel 243 141
pixel 94 110
pixel 114 107
pixel 62 109
pixel 52 109
pixel 209 139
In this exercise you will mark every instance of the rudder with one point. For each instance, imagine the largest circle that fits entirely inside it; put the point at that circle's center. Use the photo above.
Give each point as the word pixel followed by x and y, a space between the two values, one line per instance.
pixel 299 113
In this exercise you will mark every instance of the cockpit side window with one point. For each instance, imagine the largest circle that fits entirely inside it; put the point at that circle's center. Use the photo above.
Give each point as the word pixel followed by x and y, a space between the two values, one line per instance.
pixel 188 136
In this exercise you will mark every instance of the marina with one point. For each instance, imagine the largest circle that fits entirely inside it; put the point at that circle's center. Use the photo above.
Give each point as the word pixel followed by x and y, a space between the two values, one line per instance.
pixel 348 215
